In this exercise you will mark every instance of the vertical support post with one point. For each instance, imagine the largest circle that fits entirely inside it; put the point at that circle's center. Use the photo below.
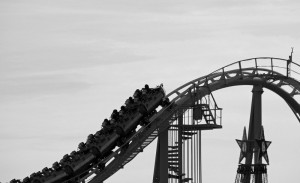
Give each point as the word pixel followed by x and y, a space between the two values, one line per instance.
pixel 255 63
pixel 156 165
pixel 240 69
pixel 163 162
pixel 200 157
pixel 254 132
pixel 272 66
pixel 288 64
pixel 161 158
pixel 180 123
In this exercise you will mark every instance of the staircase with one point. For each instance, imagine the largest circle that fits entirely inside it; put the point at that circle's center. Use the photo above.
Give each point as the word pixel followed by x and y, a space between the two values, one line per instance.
pixel 208 114
pixel 173 159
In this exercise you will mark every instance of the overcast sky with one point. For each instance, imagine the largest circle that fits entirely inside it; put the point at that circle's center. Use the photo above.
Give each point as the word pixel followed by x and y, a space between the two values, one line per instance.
pixel 66 64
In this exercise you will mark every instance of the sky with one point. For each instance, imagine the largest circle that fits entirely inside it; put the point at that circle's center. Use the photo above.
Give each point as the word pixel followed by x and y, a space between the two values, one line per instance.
pixel 65 65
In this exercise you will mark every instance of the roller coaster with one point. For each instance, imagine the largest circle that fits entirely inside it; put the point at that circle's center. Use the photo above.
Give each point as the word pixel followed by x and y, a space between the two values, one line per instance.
pixel 150 111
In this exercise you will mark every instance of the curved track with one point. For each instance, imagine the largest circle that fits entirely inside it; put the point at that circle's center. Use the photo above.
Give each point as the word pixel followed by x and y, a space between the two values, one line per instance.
pixel 278 75
pixel 271 73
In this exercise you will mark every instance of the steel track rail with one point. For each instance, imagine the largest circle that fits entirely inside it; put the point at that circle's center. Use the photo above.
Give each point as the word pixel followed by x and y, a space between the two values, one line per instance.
pixel 272 73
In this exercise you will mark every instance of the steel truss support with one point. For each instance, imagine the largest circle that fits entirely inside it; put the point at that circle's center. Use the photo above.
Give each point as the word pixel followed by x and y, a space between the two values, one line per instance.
pixel 178 153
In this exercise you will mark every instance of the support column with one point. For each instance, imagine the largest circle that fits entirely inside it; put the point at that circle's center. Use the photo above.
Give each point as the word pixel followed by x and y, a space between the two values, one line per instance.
pixel 161 159
pixel 200 157
pixel 254 132
pixel 180 123
pixel 156 165
pixel 163 138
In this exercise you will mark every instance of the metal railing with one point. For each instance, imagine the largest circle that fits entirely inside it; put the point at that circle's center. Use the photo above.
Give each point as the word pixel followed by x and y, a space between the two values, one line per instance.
pixel 283 66
pixel 280 66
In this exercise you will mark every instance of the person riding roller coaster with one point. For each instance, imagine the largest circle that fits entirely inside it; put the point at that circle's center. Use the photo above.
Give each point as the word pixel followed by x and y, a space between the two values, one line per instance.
pixel 115 117
pixel 82 148
pixel 35 175
pixel 47 171
pixel 141 95
pixel 56 166
pixel 147 89
pixel 99 135
pixel 90 139
pixel 75 155
pixel 137 110
pixel 137 95
pixel 107 127
pixel 123 111
pixel 130 105
pixel 66 158
pixel 15 181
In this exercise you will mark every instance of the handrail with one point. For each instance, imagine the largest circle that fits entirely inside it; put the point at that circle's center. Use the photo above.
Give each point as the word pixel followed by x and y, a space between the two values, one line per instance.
pixel 222 70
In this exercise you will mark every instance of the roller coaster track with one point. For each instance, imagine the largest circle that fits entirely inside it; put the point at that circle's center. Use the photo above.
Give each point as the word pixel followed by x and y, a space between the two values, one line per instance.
pixel 281 76
pixel 274 74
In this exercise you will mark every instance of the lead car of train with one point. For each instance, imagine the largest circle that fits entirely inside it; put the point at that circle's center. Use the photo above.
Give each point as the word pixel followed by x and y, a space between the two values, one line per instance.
pixel 121 125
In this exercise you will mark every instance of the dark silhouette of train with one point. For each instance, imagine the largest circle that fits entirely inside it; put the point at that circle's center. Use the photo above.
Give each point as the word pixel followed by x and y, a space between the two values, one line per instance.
pixel 114 132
